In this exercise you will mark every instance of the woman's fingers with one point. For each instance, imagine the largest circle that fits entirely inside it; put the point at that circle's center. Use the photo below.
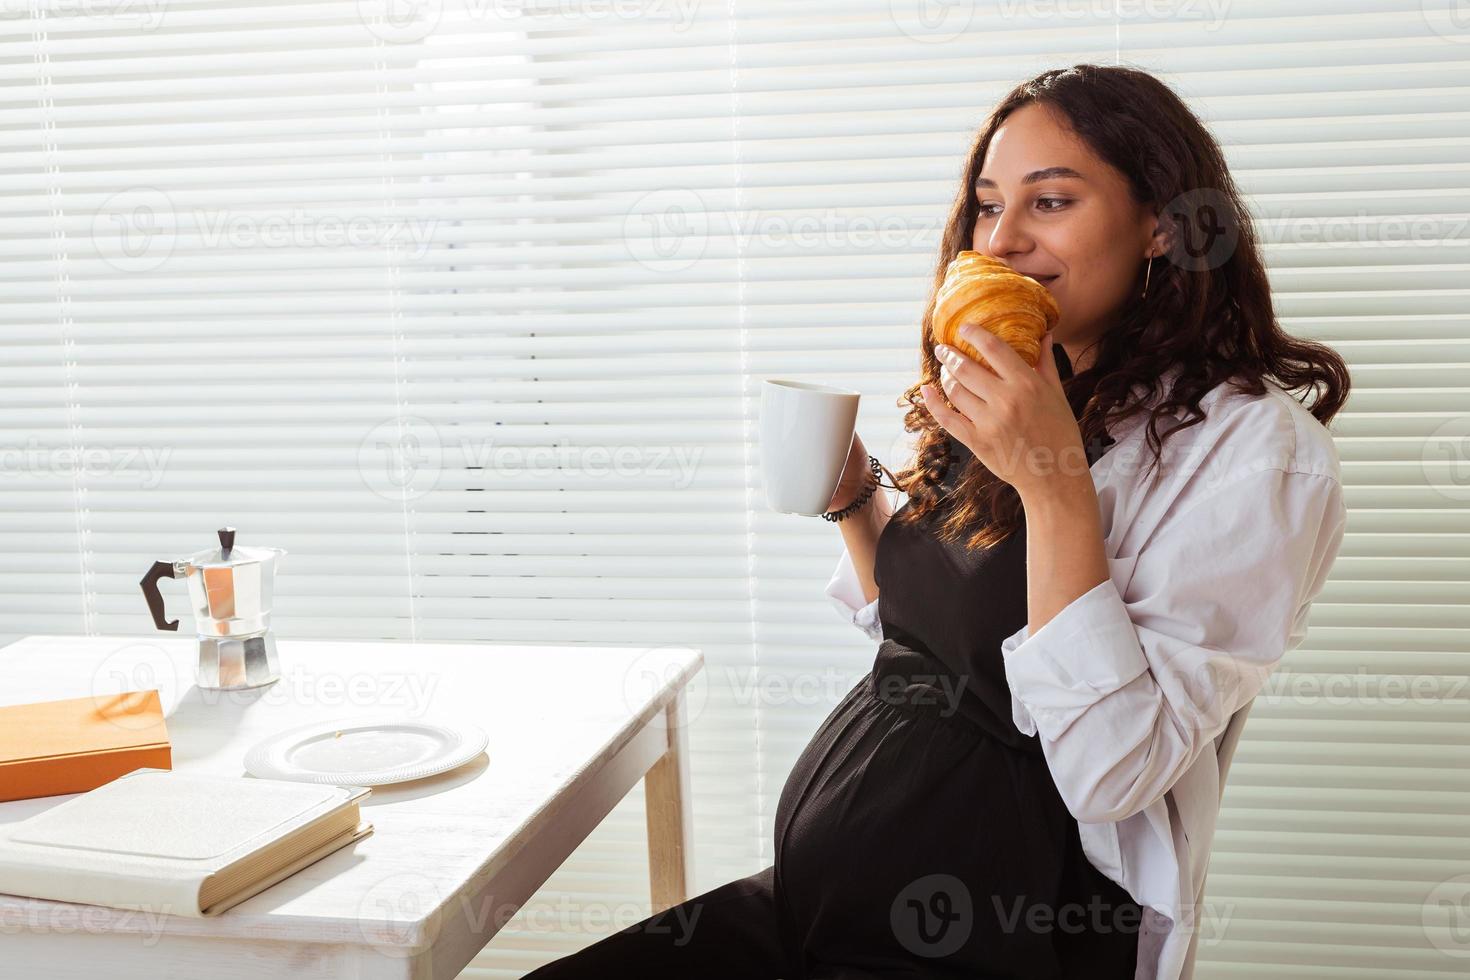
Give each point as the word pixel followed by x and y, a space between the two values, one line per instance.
pixel 960 396
pixel 948 419
pixel 965 381
pixel 978 378
pixel 1001 358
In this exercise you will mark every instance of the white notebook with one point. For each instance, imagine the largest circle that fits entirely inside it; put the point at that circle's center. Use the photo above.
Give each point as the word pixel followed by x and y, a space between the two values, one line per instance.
pixel 177 843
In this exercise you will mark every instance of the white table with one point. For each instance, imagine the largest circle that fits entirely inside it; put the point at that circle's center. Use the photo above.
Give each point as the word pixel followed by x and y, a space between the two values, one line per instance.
pixel 572 730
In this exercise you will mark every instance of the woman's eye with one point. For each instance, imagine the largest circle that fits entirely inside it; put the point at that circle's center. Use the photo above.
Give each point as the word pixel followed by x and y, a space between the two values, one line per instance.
pixel 1059 202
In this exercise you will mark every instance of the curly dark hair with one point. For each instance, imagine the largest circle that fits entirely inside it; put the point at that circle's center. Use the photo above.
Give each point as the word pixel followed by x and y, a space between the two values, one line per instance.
pixel 1204 322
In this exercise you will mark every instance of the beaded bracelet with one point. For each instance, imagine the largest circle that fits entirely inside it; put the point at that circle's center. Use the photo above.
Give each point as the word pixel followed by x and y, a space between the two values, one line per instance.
pixel 862 498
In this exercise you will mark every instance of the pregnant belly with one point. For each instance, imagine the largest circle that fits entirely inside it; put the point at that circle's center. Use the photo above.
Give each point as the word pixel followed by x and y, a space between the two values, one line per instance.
pixel 900 835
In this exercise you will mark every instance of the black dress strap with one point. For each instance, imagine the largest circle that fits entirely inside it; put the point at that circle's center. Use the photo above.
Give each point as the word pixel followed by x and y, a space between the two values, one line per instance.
pixel 945 608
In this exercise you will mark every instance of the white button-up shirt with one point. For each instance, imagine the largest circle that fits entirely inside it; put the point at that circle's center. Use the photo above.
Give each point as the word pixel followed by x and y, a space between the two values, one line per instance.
pixel 1213 564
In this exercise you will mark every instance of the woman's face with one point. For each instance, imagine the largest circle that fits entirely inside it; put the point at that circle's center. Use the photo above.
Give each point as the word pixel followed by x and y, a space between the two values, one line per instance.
pixel 1050 208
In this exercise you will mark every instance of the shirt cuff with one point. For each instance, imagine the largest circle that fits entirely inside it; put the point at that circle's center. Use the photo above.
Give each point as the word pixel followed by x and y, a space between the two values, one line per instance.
pixel 846 593
pixel 1084 653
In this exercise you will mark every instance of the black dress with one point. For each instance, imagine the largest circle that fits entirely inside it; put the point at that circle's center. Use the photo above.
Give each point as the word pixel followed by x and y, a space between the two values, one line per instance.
pixel 919 834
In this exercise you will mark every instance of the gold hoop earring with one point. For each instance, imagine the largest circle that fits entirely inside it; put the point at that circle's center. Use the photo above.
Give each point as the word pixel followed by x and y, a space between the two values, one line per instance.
pixel 1146 275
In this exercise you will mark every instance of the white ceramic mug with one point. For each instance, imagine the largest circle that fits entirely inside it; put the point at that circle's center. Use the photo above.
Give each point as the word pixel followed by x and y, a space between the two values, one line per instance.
pixel 805 434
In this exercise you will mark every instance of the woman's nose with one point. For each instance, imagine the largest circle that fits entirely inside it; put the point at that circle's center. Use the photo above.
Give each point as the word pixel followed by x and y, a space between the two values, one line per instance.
pixel 1007 236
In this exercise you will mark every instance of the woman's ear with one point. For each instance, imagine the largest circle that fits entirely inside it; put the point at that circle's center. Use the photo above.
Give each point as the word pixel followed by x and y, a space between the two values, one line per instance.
pixel 1164 231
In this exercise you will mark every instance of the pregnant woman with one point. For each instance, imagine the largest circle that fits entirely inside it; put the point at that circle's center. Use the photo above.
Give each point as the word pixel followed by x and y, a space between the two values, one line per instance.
pixel 1072 604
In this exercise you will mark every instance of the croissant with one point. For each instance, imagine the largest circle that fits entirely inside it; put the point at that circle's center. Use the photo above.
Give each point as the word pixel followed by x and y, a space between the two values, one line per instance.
pixel 979 289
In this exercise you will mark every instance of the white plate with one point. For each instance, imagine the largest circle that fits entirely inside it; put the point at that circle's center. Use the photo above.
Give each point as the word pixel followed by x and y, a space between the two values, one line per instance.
pixel 365 751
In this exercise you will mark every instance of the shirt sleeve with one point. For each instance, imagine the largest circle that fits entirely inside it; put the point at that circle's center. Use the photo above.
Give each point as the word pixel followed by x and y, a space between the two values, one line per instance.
pixel 846 593
pixel 1126 688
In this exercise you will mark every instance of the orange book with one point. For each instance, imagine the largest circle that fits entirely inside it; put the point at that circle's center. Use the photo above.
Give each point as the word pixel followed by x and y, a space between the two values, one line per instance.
pixel 75 745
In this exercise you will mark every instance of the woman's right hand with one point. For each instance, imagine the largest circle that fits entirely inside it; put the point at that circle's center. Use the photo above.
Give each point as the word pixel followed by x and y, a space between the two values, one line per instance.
pixel 855 474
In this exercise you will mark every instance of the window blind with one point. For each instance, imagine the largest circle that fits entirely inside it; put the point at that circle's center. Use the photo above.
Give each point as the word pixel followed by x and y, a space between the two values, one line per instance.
pixel 383 286
pixel 467 305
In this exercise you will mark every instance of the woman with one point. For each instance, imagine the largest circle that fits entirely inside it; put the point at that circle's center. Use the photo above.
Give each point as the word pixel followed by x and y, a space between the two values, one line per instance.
pixel 1023 784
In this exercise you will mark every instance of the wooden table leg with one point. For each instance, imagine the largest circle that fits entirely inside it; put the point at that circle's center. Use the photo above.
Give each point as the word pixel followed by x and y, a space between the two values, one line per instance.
pixel 670 831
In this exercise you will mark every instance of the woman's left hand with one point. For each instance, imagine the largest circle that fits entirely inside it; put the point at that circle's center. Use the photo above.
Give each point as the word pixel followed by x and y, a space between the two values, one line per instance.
pixel 1015 418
